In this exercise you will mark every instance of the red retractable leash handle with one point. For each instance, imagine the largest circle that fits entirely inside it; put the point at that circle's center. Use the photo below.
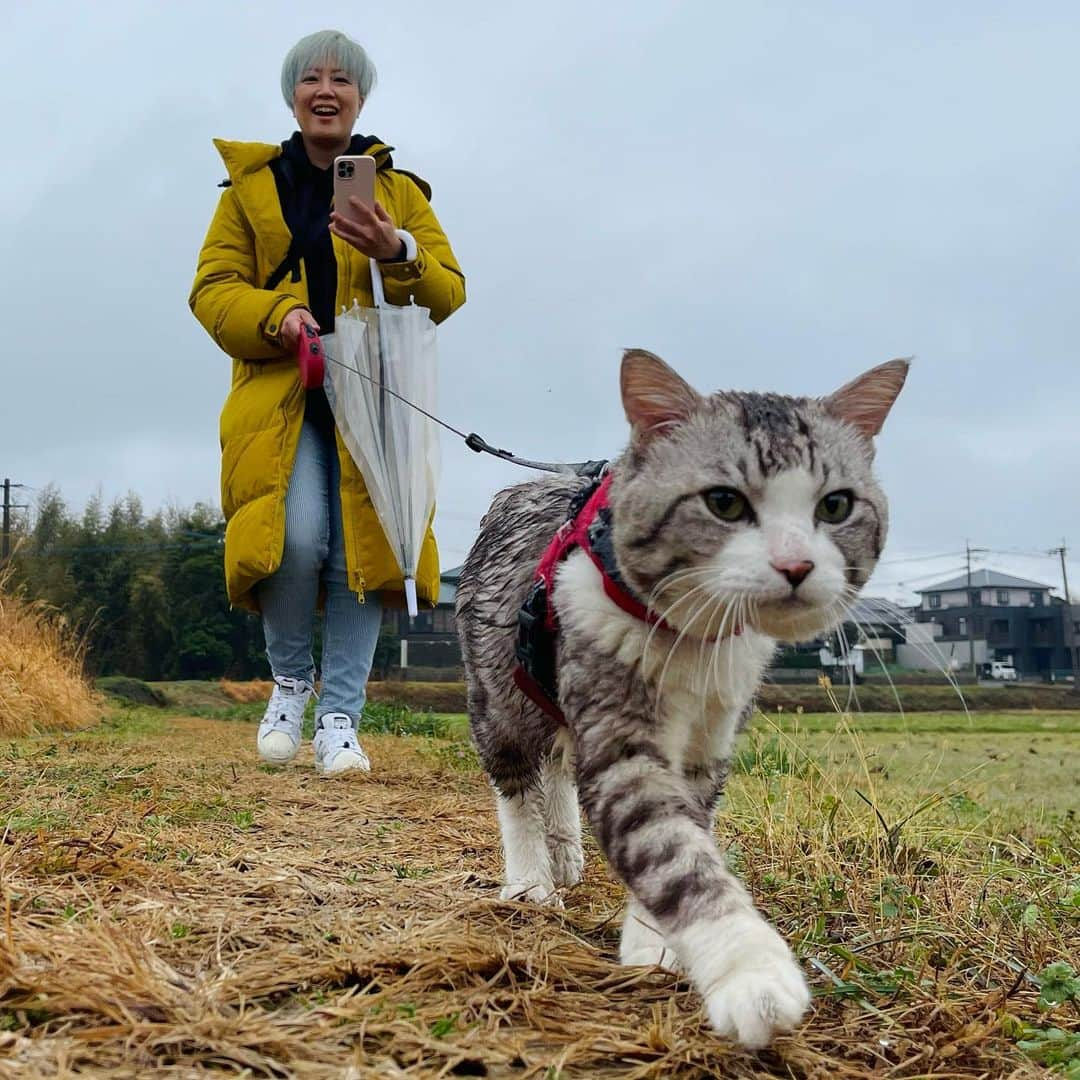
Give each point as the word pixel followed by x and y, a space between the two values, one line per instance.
pixel 310 358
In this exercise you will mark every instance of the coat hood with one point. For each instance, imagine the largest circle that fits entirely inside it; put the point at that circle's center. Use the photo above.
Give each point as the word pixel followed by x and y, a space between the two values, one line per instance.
pixel 244 158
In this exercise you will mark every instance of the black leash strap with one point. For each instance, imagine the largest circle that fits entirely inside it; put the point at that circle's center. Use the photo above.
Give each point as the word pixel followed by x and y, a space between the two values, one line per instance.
pixel 578 468
pixel 477 443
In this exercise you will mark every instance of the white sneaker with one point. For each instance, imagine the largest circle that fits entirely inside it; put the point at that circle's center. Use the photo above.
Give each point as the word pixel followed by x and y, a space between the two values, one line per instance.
pixel 279 731
pixel 337 748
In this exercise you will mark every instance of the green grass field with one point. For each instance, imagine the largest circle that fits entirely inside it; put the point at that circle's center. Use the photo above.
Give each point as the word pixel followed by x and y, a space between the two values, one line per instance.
pixel 1023 767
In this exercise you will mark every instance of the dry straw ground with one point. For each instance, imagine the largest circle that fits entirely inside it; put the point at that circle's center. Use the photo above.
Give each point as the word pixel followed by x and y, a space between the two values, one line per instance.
pixel 173 908
pixel 41 681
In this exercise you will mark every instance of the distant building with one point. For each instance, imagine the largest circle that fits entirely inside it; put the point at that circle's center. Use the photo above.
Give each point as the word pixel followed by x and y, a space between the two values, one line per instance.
pixel 429 642
pixel 867 638
pixel 1000 617
pixel 879 624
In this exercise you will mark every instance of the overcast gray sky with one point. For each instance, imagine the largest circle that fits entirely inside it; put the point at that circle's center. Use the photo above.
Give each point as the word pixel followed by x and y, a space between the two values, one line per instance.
pixel 770 195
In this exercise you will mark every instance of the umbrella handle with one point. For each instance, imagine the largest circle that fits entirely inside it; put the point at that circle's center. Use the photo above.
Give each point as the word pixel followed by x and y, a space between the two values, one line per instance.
pixel 377 284
pixel 309 357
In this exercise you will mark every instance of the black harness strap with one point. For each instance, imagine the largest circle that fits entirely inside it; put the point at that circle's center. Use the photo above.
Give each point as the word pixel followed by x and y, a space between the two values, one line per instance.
pixel 535 648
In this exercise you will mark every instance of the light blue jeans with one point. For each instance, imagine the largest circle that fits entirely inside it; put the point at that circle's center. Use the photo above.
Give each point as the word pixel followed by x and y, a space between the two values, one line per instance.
pixel 315 553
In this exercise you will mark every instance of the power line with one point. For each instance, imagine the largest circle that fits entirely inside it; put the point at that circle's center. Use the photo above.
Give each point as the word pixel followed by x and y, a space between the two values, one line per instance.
pixel 920 558
pixel 943 574
pixel 1017 553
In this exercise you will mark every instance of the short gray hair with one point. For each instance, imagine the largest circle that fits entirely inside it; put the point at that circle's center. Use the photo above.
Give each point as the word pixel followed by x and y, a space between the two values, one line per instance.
pixel 317 49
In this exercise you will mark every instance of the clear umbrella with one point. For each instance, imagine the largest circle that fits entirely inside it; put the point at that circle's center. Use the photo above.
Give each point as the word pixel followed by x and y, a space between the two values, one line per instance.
pixel 378 356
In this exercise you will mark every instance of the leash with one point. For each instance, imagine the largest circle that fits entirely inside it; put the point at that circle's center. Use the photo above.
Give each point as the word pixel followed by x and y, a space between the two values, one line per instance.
pixel 310 359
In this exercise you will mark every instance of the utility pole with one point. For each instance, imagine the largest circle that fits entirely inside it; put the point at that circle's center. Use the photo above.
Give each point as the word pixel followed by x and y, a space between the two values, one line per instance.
pixel 971 607
pixel 5 536
pixel 1070 636
pixel 971 614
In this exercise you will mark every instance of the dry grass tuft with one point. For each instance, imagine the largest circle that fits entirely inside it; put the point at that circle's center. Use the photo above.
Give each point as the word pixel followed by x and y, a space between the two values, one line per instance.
pixel 420 696
pixel 247 693
pixel 176 909
pixel 41 681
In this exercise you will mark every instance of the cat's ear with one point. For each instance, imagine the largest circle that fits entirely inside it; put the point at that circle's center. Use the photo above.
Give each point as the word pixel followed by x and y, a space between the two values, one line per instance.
pixel 865 402
pixel 654 396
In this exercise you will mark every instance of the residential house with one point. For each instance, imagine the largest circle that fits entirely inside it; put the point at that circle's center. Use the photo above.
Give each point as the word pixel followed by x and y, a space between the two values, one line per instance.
pixel 878 625
pixel 429 642
pixel 999 617
pixel 868 637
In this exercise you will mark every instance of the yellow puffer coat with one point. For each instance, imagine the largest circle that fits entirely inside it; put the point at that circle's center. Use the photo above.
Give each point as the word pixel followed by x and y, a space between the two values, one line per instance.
pixel 262 416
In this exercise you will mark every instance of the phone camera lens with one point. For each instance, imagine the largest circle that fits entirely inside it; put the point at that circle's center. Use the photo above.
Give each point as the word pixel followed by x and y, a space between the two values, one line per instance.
pixel 345 169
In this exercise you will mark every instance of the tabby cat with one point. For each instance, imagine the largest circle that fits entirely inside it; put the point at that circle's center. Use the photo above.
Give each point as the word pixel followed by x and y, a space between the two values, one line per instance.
pixel 738 520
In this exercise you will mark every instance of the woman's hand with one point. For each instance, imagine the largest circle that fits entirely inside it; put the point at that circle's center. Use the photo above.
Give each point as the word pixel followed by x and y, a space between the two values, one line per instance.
pixel 371 233
pixel 291 326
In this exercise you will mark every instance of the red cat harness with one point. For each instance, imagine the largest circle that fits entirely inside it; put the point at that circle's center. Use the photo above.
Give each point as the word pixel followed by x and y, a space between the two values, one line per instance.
pixel 588 529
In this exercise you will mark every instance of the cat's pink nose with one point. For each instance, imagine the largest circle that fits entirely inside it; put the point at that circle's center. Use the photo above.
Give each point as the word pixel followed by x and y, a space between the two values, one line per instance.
pixel 795 572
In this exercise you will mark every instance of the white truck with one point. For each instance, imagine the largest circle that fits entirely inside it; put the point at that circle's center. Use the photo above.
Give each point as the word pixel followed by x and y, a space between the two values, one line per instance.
pixel 1002 670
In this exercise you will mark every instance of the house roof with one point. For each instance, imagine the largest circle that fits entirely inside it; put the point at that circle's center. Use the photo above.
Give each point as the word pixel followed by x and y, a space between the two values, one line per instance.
pixel 877 611
pixel 983 579
pixel 448 586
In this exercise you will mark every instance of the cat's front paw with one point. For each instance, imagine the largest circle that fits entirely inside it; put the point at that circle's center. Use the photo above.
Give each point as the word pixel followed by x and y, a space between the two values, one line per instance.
pixel 752 986
pixel 754 1005
pixel 527 892
pixel 761 993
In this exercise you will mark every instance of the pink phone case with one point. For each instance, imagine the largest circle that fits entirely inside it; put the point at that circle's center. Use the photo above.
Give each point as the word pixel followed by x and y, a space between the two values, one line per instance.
pixel 354 176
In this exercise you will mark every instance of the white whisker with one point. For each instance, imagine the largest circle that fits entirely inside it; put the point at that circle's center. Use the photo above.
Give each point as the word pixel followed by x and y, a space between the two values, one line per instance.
pixel 661 619
pixel 702 667
pixel 899 621
pixel 673 578
pixel 675 644
pixel 725 635
pixel 737 621
pixel 853 696
pixel 881 662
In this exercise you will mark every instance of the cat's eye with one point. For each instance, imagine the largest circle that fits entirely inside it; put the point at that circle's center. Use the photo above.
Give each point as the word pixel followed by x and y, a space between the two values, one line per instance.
pixel 835 507
pixel 727 503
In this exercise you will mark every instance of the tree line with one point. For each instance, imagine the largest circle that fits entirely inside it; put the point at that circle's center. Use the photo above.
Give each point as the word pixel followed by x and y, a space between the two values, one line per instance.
pixel 145 592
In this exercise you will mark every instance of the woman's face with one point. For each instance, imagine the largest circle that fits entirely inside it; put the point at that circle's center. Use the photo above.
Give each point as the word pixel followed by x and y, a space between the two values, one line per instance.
pixel 326 103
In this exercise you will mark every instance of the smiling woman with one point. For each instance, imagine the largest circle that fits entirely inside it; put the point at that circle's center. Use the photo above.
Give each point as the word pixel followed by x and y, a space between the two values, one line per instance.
pixel 279 258
pixel 351 70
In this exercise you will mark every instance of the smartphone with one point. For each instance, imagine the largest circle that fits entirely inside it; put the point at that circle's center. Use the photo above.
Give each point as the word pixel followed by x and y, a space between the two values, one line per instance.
pixel 354 176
